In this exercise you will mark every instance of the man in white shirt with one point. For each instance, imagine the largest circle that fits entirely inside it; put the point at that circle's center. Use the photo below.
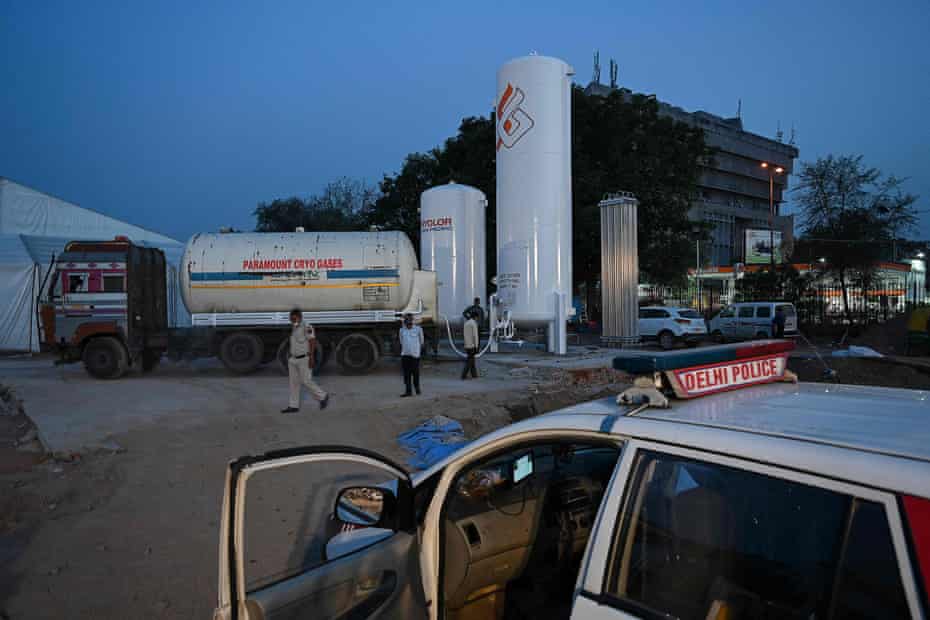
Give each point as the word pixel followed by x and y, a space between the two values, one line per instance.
pixel 411 343
pixel 471 345
pixel 300 363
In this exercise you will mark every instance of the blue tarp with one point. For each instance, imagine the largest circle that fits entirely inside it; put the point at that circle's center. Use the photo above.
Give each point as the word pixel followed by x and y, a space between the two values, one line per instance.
pixel 432 441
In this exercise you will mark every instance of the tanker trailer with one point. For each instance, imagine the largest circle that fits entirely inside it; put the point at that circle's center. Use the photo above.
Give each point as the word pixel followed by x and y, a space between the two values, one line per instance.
pixel 353 287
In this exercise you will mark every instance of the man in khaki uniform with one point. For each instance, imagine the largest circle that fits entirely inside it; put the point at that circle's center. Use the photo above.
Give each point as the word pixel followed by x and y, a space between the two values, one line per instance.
pixel 299 363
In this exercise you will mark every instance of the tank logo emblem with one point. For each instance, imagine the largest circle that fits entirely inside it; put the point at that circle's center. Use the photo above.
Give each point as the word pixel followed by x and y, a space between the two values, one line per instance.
pixel 512 121
pixel 437 224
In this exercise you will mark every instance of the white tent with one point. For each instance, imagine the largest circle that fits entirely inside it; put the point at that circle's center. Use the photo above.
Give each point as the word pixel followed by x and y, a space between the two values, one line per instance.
pixel 34 227
pixel 19 284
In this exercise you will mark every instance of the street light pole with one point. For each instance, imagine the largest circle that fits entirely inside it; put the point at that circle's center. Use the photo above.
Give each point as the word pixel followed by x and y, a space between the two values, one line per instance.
pixel 772 173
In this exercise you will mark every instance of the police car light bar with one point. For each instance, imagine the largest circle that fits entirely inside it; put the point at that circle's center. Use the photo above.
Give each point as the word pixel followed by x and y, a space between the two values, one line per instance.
pixel 698 372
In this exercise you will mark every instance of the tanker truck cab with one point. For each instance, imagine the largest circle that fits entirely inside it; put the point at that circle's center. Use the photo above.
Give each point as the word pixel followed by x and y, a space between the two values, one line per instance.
pixel 715 487
pixel 105 301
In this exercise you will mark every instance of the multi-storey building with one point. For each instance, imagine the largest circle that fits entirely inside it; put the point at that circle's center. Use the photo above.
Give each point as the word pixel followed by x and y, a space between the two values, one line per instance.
pixel 733 188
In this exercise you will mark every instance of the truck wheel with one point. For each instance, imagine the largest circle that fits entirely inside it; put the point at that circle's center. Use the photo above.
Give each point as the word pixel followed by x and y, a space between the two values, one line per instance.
pixel 242 352
pixel 666 340
pixel 356 354
pixel 150 359
pixel 284 351
pixel 105 358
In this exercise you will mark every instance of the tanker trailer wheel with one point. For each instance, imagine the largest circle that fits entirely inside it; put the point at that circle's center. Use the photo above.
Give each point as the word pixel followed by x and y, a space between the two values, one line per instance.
pixel 105 358
pixel 357 353
pixel 284 351
pixel 242 352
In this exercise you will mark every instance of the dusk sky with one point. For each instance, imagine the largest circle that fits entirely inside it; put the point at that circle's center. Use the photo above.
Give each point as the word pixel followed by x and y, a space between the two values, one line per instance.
pixel 180 117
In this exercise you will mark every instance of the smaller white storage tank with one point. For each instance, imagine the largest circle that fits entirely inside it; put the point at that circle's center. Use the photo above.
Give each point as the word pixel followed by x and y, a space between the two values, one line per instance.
pixel 452 243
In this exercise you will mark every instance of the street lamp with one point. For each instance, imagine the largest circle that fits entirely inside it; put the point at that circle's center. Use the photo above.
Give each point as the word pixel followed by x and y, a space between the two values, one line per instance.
pixel 773 170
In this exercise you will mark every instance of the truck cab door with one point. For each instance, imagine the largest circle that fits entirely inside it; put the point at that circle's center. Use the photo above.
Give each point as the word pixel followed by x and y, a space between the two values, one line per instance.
pixel 321 533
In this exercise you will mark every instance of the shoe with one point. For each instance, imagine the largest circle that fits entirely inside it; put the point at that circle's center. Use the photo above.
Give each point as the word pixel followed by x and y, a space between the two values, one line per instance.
pixel 418 391
pixel 324 402
pixel 290 410
pixel 406 394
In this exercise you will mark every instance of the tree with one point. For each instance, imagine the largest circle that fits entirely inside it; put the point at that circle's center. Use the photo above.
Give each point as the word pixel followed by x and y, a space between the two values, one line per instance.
pixel 850 214
pixel 620 142
pixel 338 208
pixel 467 158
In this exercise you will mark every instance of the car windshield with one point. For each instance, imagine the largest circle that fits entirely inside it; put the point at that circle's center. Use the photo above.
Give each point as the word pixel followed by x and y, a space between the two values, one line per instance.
pixel 690 314
pixel 788 309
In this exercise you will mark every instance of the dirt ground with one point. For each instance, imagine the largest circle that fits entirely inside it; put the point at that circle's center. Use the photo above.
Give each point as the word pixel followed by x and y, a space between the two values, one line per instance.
pixel 128 524
pixel 131 526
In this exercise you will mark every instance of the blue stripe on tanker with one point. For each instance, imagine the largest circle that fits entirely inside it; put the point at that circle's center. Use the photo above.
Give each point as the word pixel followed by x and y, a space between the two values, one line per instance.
pixel 345 274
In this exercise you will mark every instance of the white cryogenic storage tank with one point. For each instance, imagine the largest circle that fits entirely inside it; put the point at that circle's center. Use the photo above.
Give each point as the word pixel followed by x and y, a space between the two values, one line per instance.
pixel 534 193
pixel 452 243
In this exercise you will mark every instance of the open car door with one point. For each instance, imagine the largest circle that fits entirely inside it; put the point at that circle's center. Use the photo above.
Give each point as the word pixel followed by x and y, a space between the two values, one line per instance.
pixel 322 532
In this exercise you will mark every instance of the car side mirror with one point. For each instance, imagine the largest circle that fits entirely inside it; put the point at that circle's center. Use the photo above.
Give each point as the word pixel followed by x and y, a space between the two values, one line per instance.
pixel 364 506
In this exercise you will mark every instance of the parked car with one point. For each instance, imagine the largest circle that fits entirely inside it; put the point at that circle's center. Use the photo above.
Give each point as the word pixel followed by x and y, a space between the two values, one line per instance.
pixel 753 319
pixel 670 324
pixel 779 500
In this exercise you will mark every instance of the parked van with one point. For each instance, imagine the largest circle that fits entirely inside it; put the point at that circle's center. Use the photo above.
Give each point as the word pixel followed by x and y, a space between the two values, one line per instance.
pixel 752 319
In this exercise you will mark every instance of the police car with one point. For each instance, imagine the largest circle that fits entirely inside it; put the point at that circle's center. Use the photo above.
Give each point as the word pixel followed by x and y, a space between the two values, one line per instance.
pixel 717 487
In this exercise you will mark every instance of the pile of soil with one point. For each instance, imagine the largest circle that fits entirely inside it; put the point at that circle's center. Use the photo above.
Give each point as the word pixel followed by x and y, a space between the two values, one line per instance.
pixel 20 448
pixel 888 338
pixel 861 371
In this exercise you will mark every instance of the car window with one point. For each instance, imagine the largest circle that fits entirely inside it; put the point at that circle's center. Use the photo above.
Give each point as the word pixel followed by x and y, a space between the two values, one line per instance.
pixel 702 540
pixel 77 282
pixel 869 583
pixel 652 313
pixel 788 309
pixel 644 313
pixel 764 312
pixel 690 314
pixel 726 313
pixel 745 312
pixel 662 314
pixel 113 283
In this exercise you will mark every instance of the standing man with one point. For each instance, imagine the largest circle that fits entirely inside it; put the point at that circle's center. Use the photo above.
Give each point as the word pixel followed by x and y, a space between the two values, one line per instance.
pixel 411 342
pixel 778 323
pixel 300 363
pixel 471 346
pixel 476 310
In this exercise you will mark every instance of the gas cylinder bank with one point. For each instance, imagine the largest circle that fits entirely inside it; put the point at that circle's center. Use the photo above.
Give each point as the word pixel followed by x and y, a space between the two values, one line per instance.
pixel 452 243
pixel 353 287
pixel 534 194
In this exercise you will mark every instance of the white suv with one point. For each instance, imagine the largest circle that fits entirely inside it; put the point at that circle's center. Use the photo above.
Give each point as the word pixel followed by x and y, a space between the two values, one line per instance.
pixel 669 324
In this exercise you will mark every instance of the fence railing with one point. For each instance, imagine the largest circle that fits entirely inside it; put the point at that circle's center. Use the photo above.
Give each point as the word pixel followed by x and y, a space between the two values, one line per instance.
pixel 817 304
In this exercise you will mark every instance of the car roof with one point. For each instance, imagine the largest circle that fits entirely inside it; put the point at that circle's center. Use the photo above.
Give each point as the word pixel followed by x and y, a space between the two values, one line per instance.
pixel 874 436
pixel 890 421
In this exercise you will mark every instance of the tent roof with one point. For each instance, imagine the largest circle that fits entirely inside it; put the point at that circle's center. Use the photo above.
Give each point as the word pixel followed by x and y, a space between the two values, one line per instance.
pixel 28 211
pixel 13 251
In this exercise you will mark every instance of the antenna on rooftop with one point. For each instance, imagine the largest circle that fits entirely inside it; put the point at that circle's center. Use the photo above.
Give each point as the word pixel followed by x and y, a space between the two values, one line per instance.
pixel 779 135
pixel 614 70
pixel 597 67
pixel 739 108
pixel 791 139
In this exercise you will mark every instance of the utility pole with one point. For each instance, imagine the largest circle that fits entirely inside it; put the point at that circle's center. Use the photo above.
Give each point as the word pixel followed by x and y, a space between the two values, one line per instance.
pixel 772 172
